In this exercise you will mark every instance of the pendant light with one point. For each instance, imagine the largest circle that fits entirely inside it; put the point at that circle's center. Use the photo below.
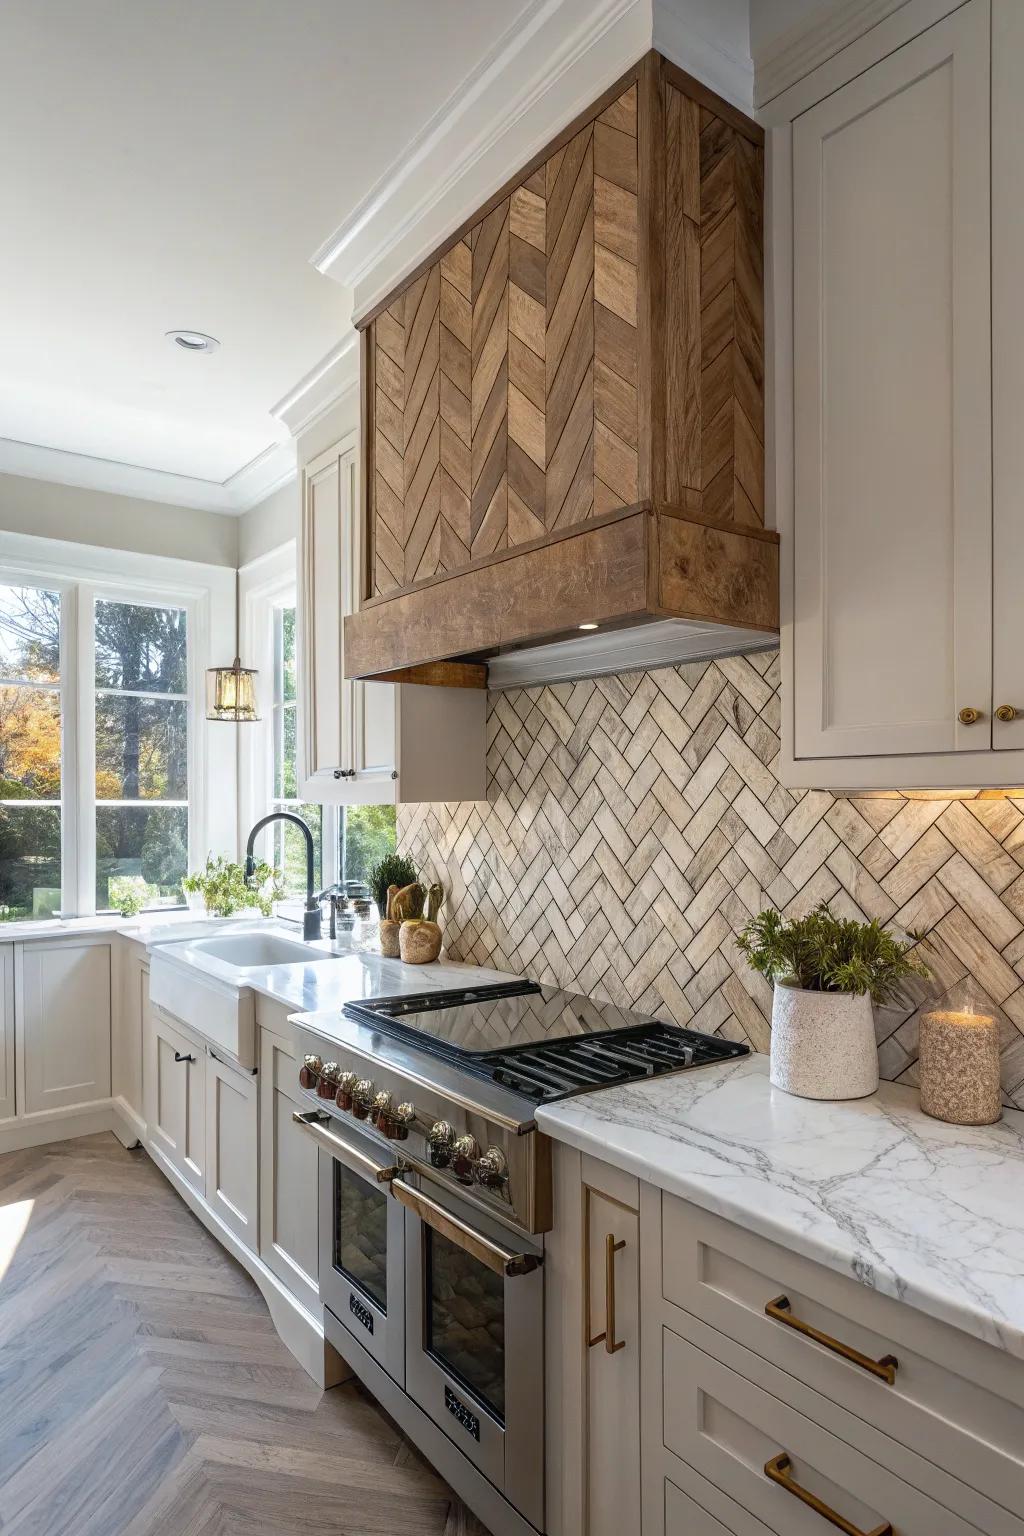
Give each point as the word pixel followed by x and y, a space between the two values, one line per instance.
pixel 231 691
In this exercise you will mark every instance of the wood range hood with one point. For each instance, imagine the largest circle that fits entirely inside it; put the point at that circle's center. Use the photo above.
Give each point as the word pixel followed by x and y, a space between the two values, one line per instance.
pixel 562 410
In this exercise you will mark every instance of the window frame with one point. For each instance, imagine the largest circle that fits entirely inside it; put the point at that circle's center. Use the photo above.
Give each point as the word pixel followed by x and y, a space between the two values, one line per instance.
pixel 82 575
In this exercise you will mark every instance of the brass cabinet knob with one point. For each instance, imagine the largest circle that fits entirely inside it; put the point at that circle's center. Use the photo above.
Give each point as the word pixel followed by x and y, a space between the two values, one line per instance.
pixel 968 716
pixel 1006 713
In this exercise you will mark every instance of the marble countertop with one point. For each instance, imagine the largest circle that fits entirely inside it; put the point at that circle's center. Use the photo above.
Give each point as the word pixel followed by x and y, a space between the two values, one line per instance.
pixel 928 1213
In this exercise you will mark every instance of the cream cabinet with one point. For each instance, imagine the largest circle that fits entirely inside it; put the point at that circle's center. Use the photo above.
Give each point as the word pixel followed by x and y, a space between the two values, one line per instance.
pixel 62 1009
pixel 364 742
pixel 175 1095
pixel 7 1091
pixel 897 240
pixel 288 1176
pixel 612 1364
pixel 231 1147
pixel 130 975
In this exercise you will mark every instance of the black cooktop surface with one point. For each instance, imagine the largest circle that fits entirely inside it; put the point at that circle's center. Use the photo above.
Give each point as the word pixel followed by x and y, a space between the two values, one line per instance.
pixel 539 1041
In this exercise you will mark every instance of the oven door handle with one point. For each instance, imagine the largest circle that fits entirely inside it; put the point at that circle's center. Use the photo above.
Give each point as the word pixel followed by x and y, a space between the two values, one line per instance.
pixel 314 1122
pixel 503 1261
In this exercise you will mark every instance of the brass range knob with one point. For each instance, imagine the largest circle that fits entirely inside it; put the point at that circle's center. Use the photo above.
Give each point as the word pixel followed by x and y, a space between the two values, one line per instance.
pixel 362 1098
pixel 346 1087
pixel 441 1140
pixel 309 1072
pixel 383 1110
pixel 465 1156
pixel 328 1083
pixel 398 1129
pixel 491 1170
pixel 969 716
pixel 1006 713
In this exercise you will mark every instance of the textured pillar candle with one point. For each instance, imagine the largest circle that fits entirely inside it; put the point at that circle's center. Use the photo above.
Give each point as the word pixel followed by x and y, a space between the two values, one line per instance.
pixel 959 1067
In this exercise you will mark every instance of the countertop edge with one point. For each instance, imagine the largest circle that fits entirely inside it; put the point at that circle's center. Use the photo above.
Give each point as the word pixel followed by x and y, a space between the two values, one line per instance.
pixel 884 1280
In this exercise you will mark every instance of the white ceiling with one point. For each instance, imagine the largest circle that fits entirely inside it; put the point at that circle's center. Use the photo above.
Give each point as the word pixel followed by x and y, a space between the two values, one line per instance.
pixel 176 165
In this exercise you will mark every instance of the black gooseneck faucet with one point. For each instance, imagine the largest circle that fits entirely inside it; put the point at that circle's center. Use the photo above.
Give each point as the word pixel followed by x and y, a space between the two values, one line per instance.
pixel 311 913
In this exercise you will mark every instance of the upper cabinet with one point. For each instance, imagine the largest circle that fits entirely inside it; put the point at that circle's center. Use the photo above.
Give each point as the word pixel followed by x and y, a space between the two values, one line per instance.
pixel 563 418
pixel 904 651
pixel 368 743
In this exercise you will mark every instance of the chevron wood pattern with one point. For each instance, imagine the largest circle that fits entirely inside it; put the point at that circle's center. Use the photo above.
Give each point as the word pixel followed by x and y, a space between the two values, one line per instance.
pixel 489 385
pixel 388 485
pixel 145 1390
pixel 569 336
pixel 616 302
pixel 731 324
pixel 634 823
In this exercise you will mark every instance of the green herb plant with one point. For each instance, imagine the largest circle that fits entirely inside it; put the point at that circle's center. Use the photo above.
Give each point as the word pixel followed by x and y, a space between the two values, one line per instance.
pixel 128 894
pixel 223 887
pixel 825 953
pixel 392 869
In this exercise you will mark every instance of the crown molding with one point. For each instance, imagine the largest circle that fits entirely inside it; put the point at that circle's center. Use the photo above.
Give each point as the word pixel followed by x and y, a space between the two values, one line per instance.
pixel 812 42
pixel 682 38
pixel 271 468
pixel 542 72
pixel 333 377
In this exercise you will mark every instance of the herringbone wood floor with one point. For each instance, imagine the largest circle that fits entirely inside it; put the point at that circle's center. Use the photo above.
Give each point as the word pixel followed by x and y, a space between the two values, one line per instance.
pixel 144 1391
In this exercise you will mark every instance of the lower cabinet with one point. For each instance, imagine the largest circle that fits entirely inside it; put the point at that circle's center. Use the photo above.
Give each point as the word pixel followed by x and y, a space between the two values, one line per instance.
pixel 62 992
pixel 288 1176
pixel 175 1093
pixel 612 1310
pixel 127 1022
pixel 231 1158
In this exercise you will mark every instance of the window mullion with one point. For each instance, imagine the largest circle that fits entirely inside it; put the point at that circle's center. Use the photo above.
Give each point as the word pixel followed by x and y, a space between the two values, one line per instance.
pixel 84 780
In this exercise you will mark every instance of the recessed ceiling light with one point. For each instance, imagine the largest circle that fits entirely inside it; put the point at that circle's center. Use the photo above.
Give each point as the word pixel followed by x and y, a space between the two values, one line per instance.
pixel 588 626
pixel 193 341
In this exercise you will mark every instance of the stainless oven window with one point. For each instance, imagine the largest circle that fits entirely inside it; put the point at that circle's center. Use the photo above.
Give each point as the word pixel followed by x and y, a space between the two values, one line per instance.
pixel 465 1322
pixel 361 1234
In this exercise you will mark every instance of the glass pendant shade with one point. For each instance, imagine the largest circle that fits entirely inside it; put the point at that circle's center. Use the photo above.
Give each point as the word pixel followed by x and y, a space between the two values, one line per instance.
pixel 231 693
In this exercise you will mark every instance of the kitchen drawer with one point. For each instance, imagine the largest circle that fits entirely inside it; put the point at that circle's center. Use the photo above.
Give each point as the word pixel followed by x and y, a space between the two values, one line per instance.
pixel 698 1508
pixel 954 1400
pixel 728 1429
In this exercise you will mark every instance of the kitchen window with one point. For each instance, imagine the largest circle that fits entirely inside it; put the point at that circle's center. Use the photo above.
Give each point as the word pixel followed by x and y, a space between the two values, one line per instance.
pixel 348 839
pixel 106 763
pixel 31 756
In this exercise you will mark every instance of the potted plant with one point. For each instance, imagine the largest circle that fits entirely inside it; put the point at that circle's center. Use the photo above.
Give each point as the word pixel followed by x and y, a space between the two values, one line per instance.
pixel 827 972
pixel 393 871
pixel 224 890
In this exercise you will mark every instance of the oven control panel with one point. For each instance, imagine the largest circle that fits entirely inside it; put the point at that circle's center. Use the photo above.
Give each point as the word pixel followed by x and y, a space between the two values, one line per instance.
pixel 497 1167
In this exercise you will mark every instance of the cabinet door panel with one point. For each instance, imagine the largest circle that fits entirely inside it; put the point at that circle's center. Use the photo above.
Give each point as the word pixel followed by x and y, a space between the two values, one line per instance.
pixel 892 616
pixel 231 1174
pixel 164 1086
pixel 1007 368
pixel 613 1380
pixel 64 1023
pixel 288 1177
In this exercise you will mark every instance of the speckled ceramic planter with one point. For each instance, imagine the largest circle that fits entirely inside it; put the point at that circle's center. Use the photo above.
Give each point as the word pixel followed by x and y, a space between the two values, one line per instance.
pixel 823 1044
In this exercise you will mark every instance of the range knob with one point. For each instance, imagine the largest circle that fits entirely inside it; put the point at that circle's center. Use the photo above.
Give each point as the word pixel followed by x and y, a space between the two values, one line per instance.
pixel 309 1072
pixel 491 1170
pixel 383 1110
pixel 405 1114
pixel 441 1140
pixel 465 1156
pixel 346 1087
pixel 328 1083
pixel 362 1098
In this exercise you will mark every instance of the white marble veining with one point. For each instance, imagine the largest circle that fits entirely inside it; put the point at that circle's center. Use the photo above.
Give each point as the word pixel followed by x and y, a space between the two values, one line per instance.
pixel 929 1213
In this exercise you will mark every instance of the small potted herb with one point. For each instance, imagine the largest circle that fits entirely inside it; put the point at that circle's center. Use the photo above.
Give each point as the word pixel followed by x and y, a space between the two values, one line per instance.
pixel 394 872
pixel 827 972
pixel 224 890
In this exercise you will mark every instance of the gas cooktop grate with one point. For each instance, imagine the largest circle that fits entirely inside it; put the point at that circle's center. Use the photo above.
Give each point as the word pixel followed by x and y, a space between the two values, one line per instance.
pixel 573 1065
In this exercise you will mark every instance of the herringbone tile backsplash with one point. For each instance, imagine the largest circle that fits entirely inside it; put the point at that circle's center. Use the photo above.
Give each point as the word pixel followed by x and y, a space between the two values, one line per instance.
pixel 634 823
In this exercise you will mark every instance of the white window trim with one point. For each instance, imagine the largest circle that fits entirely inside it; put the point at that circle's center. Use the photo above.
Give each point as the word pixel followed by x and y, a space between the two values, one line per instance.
pixel 267 583
pixel 83 573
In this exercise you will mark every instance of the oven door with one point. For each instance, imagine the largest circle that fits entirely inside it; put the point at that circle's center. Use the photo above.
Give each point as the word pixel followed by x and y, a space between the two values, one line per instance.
pixel 362 1240
pixel 475 1338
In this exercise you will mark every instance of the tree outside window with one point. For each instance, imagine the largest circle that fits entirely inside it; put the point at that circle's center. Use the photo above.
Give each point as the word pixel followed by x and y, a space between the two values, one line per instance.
pixel 30 752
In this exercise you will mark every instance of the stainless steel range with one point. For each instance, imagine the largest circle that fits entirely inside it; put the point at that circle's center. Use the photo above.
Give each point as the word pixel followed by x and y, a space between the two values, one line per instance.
pixel 435 1193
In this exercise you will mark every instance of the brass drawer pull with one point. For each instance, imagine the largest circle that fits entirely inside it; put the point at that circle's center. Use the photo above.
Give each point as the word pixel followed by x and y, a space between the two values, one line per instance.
pixel 778 1471
pixel 1006 713
pixel 611 1344
pixel 969 716
pixel 885 1369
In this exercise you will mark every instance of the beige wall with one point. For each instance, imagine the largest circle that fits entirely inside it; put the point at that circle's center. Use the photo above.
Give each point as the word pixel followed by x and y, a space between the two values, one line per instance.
pixel 82 516
pixel 269 524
